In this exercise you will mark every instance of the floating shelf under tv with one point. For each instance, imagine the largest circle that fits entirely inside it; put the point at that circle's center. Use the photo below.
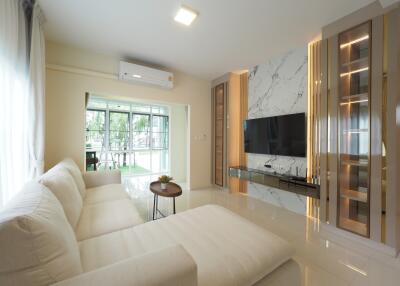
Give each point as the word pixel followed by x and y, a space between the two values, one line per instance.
pixel 291 184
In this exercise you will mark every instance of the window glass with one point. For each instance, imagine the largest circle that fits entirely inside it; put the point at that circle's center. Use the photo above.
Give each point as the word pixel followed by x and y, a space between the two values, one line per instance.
pixel 159 110
pixel 95 129
pixel 119 131
pixel 140 129
pixel 141 108
pixel 97 104
pixel 160 132
pixel 141 162
pixel 159 161
pixel 119 106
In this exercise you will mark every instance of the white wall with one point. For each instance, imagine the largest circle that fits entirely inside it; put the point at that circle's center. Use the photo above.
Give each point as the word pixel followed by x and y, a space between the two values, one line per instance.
pixel 65 106
pixel 178 146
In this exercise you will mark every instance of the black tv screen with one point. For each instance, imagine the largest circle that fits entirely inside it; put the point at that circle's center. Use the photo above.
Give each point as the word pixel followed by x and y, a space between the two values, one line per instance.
pixel 283 135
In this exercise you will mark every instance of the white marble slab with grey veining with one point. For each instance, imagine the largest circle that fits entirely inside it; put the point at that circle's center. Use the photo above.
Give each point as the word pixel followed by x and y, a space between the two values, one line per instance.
pixel 279 87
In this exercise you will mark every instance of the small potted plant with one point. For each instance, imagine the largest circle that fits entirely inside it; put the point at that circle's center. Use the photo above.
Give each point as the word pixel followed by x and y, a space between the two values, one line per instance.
pixel 164 180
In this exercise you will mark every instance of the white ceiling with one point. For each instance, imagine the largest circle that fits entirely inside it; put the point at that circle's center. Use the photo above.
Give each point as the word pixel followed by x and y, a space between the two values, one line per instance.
pixel 228 35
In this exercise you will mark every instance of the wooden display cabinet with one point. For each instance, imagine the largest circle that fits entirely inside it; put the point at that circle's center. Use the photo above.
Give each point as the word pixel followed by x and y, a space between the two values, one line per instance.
pixel 354 129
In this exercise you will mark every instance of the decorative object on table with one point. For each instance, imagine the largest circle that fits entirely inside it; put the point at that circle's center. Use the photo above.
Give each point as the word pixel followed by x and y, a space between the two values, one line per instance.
pixel 173 191
pixel 164 180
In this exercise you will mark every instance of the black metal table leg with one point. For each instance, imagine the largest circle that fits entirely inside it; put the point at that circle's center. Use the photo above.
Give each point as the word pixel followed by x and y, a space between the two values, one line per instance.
pixel 154 205
pixel 174 206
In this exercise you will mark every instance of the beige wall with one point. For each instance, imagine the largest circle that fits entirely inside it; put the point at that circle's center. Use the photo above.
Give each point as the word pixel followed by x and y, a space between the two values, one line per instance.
pixel 67 81
pixel 178 145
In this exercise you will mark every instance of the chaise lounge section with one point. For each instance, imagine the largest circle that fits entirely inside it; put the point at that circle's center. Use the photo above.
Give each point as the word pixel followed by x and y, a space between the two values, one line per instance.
pixel 83 229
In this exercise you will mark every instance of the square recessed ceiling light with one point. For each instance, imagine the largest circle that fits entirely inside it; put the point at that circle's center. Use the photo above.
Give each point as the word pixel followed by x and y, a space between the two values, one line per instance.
pixel 185 16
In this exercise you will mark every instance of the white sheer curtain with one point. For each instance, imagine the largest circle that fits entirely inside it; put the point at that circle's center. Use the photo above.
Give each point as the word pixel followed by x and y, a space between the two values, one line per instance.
pixel 21 98
pixel 13 98
pixel 36 103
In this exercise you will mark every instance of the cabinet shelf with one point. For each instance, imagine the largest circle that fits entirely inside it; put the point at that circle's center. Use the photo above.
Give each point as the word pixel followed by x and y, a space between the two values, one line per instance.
pixel 355 195
pixel 359 163
pixel 355 41
pixel 355 65
pixel 353 226
pixel 354 98
pixel 362 130
pixel 355 71
pixel 358 62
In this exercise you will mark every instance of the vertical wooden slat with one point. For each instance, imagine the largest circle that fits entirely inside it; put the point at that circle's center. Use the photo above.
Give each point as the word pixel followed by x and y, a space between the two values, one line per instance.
pixel 333 94
pixel 244 89
pixel 309 108
pixel 310 135
pixel 313 123
pixel 213 135
pixel 376 128
pixel 324 132
pixel 317 111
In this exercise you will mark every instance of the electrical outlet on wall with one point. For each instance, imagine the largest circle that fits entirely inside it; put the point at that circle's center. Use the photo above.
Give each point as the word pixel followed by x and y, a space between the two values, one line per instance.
pixel 201 137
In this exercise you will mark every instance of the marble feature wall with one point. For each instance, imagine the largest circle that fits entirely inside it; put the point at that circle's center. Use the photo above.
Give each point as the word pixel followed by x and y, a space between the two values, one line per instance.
pixel 279 87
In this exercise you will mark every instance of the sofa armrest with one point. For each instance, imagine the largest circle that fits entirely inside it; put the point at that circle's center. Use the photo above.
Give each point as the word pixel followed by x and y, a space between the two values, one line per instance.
pixel 100 178
pixel 171 266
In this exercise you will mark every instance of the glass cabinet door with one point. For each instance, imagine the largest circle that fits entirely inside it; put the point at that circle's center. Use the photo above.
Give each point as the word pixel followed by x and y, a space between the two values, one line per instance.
pixel 354 129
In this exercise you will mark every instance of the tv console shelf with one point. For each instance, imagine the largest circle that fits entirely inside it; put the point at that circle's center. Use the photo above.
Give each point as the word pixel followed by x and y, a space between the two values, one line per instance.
pixel 299 186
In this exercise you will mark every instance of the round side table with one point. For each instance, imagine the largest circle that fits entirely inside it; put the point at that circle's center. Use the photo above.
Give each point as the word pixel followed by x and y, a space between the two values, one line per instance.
pixel 172 191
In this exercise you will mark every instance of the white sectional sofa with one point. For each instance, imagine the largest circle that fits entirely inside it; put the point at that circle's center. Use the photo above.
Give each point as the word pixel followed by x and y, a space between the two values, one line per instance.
pixel 70 228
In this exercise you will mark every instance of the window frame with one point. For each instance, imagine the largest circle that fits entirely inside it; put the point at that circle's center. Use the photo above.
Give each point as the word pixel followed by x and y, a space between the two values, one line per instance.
pixel 131 150
pixel 105 125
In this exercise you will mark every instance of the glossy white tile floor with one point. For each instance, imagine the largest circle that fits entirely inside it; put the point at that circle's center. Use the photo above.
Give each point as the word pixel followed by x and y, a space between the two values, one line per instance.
pixel 325 258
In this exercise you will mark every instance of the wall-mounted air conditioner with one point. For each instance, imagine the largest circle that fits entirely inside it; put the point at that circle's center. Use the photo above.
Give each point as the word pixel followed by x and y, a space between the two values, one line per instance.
pixel 145 75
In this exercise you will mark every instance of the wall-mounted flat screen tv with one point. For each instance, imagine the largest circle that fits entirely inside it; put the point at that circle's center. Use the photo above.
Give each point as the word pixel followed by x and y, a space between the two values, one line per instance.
pixel 283 135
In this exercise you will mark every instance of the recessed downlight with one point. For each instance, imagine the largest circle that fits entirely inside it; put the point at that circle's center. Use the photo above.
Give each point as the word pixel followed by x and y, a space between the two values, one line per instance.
pixel 185 16
pixel 137 76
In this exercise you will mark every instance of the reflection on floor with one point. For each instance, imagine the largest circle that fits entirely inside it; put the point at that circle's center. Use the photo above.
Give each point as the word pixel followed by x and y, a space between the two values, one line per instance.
pixel 138 189
pixel 325 259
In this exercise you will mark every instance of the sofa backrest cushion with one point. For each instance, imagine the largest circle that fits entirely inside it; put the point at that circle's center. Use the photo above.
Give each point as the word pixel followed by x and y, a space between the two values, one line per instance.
pixel 37 244
pixel 62 185
pixel 73 169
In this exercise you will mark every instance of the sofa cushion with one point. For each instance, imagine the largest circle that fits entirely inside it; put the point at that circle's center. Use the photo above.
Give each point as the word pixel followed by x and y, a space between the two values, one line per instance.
pixel 227 249
pixel 73 169
pixel 106 193
pixel 37 244
pixel 63 186
pixel 101 218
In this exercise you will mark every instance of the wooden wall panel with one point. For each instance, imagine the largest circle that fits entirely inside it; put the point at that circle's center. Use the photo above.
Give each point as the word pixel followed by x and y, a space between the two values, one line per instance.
pixel 314 109
pixel 244 90
pixel 233 129
pixel 313 121
pixel 324 133
pixel 237 112
pixel 219 134
pixel 323 137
